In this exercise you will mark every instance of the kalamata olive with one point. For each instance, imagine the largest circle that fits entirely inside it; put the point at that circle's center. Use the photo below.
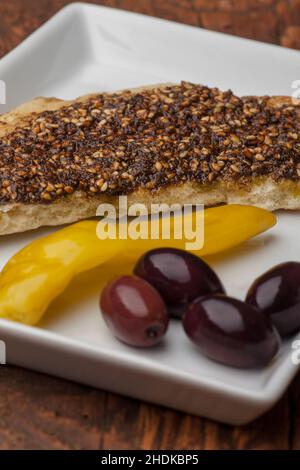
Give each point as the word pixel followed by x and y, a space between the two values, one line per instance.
pixel 134 311
pixel 276 293
pixel 231 332
pixel 179 276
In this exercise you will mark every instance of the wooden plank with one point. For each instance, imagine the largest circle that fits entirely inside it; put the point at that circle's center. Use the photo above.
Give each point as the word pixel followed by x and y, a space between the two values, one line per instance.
pixel 43 412
pixel 265 20
pixel 40 412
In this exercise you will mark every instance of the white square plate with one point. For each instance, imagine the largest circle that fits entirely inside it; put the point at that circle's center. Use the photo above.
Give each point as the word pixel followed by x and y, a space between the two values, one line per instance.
pixel 86 48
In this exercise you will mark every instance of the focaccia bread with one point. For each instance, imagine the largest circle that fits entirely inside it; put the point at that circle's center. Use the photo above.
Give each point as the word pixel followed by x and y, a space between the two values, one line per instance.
pixel 168 143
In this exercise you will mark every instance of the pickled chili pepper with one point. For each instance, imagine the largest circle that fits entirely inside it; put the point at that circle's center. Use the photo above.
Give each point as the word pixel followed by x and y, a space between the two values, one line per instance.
pixel 41 271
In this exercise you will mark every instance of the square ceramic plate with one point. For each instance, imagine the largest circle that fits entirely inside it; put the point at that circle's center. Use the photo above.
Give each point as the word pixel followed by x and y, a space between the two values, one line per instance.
pixel 87 48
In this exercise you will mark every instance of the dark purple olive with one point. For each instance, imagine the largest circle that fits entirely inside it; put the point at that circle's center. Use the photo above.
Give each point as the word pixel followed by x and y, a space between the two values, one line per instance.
pixel 134 311
pixel 231 332
pixel 179 277
pixel 276 293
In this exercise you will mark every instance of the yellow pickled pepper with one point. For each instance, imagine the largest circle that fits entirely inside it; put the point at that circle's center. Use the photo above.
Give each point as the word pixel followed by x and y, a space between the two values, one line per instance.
pixel 224 227
pixel 42 270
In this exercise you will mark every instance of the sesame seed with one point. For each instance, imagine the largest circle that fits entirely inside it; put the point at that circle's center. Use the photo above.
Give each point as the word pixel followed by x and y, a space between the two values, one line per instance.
pixel 119 142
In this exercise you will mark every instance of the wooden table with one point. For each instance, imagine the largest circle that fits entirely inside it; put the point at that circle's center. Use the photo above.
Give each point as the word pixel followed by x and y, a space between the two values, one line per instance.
pixel 40 412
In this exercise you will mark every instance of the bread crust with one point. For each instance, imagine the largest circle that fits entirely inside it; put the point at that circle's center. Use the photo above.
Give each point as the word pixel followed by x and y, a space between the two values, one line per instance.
pixel 260 191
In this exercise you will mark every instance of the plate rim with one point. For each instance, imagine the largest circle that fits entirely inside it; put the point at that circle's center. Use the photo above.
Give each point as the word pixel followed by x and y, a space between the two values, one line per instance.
pixel 279 379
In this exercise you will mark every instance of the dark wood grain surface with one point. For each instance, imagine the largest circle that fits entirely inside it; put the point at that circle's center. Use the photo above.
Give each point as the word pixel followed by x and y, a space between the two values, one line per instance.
pixel 40 412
